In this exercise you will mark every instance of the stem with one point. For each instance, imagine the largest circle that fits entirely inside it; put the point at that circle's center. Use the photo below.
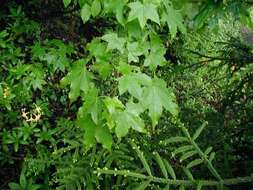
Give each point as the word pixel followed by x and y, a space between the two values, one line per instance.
pixel 202 155
pixel 127 173
pixel 209 164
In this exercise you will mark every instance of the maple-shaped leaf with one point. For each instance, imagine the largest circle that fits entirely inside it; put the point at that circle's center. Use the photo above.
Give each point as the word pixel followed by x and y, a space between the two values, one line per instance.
pixel 93 133
pixel 92 105
pixel 117 7
pixel 113 104
pixel 89 127
pixel 115 42
pixel 78 78
pixel 57 60
pixel 98 50
pixel 174 20
pixel 36 77
pixel 126 120
pixel 143 12
pixel 156 97
pixel 104 69
pixel 136 49
pixel 129 118
pixel 133 83
pixel 156 55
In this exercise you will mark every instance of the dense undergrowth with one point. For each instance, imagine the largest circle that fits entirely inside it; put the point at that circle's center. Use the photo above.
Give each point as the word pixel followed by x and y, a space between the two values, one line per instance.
pixel 123 94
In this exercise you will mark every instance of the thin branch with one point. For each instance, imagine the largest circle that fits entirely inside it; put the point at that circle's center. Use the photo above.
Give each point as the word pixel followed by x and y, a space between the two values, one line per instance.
pixel 127 173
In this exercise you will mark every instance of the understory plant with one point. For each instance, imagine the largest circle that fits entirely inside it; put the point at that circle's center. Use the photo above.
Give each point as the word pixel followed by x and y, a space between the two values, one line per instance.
pixel 126 94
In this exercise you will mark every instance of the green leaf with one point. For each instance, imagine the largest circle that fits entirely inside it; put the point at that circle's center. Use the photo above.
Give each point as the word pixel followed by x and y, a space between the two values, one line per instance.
pixel 95 8
pixel 22 180
pixel 104 69
pixel 170 169
pixel 92 105
pixel 15 186
pixel 156 55
pixel 143 185
pixel 194 163
pixel 117 7
pixel 104 136
pixel 188 155
pixel 156 97
pixel 182 149
pixel 174 140
pixel 124 68
pixel 85 13
pixel 125 120
pixel 133 83
pixel 211 157
pixel 199 130
pixel 143 12
pixel 114 42
pixel 199 186
pixel 142 158
pixel 98 50
pixel 113 104
pixel 161 164
pixel 66 3
pixel 188 173
pixel 78 78
pixel 89 128
pixel 135 108
pixel 135 50
pixel 208 150
pixel 174 19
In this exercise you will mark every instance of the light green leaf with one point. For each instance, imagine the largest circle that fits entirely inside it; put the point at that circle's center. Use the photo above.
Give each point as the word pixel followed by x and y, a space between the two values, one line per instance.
pixel 182 149
pixel 98 50
pixel 66 3
pixel 194 163
pixel 211 157
pixel 199 130
pixel 133 83
pixel 117 7
pixel 85 13
pixel 161 164
pixel 89 128
pixel 208 150
pixel 124 68
pixel 113 104
pixel 104 69
pixel 135 108
pixel 188 173
pixel 15 186
pixel 188 155
pixel 143 12
pixel 135 50
pixel 115 42
pixel 156 97
pixel 142 158
pixel 143 185
pixel 95 8
pixel 174 140
pixel 78 78
pixel 156 55
pixel 169 169
pixel 126 120
pixel 174 19
pixel 104 136
pixel 92 105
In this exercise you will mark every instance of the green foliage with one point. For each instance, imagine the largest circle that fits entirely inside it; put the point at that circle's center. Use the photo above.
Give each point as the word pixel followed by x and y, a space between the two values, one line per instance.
pixel 123 94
